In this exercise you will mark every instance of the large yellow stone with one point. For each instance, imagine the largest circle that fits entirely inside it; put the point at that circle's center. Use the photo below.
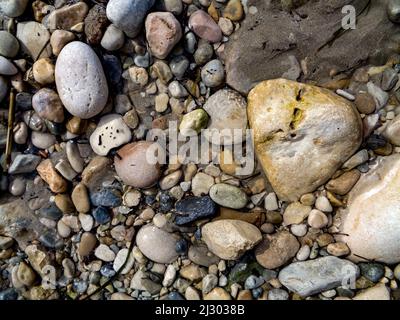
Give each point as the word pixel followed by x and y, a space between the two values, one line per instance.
pixel 302 134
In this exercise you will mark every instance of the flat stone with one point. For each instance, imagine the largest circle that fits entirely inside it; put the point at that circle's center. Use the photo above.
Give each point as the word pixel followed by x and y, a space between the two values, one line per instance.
pixel 120 259
pixel 368 235
pixel 295 213
pixel 106 197
pixel 33 37
pixel 96 23
pixel 163 32
pixel 277 249
pixel 314 276
pixel 343 184
pixel 111 132
pixel 104 253
pixel 81 84
pixel 204 26
pixel 156 244
pixel 200 255
pixel 194 208
pixel 378 292
pixel 74 157
pixel 42 140
pixel 128 15
pixel 230 239
pixel 67 17
pixel 48 173
pixel 228 196
pixel 48 105
pixel 228 117
pixel 298 139
pixel 24 163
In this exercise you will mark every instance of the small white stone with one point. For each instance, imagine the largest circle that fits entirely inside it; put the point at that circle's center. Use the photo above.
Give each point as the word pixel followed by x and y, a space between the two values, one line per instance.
pixel 104 253
pixel 86 221
pixel 322 203
pixel 120 260
pixel 303 253
pixel 111 132
pixel 271 202
pixel 317 219
pixel 169 276
pixel 201 184
pixel 299 230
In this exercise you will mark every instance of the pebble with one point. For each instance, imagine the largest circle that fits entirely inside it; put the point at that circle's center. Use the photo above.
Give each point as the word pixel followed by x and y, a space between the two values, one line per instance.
pixel 111 132
pixel 134 168
pixel 192 272
pixel 203 53
pixel 48 173
pixel 42 140
pixel 9 45
pixel 128 15
pixel 200 255
pixel 106 197
pixel 217 294
pixel 81 84
pixel 228 196
pixel 120 296
pixel 87 221
pixel 6 67
pixel 59 39
pixel 169 276
pixel 65 169
pixel 101 215
pixel 278 294
pixel 201 184
pixel 209 282
pixel 226 26
pixel 104 253
pixel 120 259
pixel 338 249
pixel 372 271
pixel 322 203
pixel 8 294
pixel 170 180
pixel 177 90
pixel 48 105
pixel 284 171
pixel 174 6
pixel 277 249
pixel 378 292
pixel 178 66
pixel 163 32
pixel 303 253
pixel 389 79
pixel 113 39
pixel 25 274
pixel 228 117
pixel 74 156
pixel 33 37
pixel 67 17
pixel 6 242
pixel 193 122
pixel 230 239
pixel 233 10
pixel 64 203
pixel 43 71
pixel 194 208
pixel 314 276
pixel 156 244
pixel 96 23
pixel 295 213
pixel 365 103
pixel 13 8
pixel 213 73
pixel 24 163
pixel 317 219
pixel 17 187
pixel 161 102
pixel 63 230
pixel 271 202
pixel 191 294
pixel 205 27
pixel 381 97
pixel 80 198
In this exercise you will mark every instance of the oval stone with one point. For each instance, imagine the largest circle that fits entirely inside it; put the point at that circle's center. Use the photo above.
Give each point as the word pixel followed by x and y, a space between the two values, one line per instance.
pixel 81 83
pixel 228 196
pixel 156 244
pixel 136 166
